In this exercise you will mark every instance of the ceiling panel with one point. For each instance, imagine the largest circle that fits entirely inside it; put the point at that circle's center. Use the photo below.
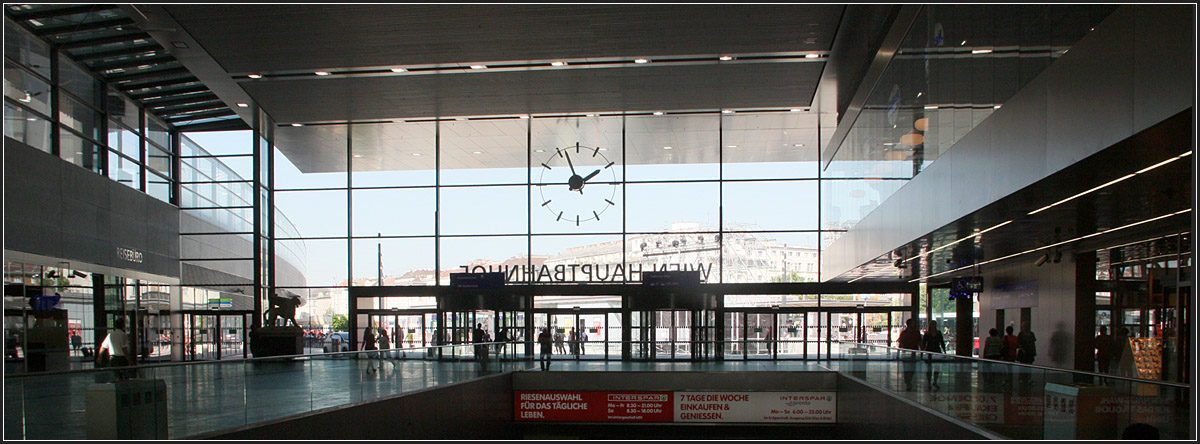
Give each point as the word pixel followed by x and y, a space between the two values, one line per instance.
pixel 272 38
pixel 500 93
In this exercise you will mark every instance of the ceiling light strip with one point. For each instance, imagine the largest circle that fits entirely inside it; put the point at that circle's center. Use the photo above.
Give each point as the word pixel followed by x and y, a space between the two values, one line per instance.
pixel 1054 244
pixel 957 241
pixel 1122 178
pixel 556 64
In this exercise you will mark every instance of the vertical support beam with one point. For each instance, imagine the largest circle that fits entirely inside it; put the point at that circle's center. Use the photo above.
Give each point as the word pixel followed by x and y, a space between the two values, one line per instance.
pixel 256 125
pixel 99 311
pixel 351 300
pixel 55 94
pixel 1085 311
pixel 964 337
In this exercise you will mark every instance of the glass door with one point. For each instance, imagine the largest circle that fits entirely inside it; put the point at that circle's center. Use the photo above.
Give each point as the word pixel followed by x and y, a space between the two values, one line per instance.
pixel 760 335
pixel 734 346
pixel 790 334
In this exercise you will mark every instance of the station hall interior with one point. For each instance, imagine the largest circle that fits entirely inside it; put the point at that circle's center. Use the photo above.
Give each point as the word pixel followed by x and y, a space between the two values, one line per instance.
pixel 751 200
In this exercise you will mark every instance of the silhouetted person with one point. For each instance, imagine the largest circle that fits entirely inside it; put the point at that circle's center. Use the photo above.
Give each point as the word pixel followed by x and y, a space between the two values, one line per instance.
pixel 1140 431
pixel 1104 350
pixel 910 339
pixel 1027 344
pixel 933 342
pixel 1009 345
pixel 993 348
pixel 478 336
pixel 547 343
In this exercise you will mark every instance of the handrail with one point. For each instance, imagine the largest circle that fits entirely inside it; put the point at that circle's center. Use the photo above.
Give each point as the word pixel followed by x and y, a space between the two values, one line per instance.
pixel 234 361
pixel 1042 367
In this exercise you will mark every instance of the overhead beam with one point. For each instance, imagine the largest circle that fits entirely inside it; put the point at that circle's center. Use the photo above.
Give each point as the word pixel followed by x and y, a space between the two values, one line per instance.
pixel 104 40
pixel 76 27
pixel 235 124
pixel 214 104
pixel 160 83
pixel 169 92
pixel 171 101
pixel 197 116
pixel 147 75
pixel 47 13
pixel 132 63
pixel 133 50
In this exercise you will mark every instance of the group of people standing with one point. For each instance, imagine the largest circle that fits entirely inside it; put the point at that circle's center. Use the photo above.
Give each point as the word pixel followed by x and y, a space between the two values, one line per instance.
pixel 932 341
pixel 549 343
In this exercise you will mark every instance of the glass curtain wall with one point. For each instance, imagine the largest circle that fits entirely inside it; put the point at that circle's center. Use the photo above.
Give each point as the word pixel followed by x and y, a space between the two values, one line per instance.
pixel 566 199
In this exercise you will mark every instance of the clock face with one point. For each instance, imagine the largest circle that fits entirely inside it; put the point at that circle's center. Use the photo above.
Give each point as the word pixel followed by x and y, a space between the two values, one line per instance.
pixel 577 184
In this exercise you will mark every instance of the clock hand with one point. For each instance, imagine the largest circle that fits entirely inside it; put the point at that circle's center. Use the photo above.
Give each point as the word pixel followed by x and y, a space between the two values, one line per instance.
pixel 569 163
pixel 589 176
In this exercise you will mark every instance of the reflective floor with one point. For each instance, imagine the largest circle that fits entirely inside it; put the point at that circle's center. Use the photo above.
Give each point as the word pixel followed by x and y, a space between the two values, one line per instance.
pixel 1007 400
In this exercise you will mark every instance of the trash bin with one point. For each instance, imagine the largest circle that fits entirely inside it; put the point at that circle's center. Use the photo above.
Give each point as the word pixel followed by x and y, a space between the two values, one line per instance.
pixel 131 409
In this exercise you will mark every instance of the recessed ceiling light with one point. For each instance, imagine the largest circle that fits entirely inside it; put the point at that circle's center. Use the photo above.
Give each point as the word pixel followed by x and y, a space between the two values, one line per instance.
pixel 996 107
pixel 919 93
pixel 811 56
pixel 478 66
pixel 416 154
pixel 798 144
pixel 731 146
pixel 726 58
pixel 558 63
pixel 255 76
pixel 727 111
pixel 180 45
pixel 539 151
pixel 523 116
pixel 358 155
pixel 658 113
pixel 590 115
pixel 297 124
pixel 477 152
pixel 980 51
pixel 243 105
pixel 399 70
pixel 35 22
pixel 931 107
pixel 322 73
pixel 963 43
pixel 666 147
pixel 641 61
pixel 603 149
pixel 795 110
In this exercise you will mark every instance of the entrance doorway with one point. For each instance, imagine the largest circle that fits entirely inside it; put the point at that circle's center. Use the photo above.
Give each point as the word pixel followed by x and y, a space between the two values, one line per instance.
pixel 673 334
pixel 597 332
pixel 209 335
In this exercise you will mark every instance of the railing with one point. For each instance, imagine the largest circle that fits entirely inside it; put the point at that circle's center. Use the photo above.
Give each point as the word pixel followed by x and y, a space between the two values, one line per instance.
pixel 1024 401
pixel 209 396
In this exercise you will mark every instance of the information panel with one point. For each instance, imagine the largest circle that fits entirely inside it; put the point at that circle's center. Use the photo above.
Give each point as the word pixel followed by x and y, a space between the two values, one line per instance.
pixel 589 406
pixel 696 407
pixel 790 407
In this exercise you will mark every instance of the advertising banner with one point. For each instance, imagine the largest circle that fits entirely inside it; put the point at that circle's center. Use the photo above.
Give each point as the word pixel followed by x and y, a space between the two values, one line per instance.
pixel 978 408
pixel 699 407
pixel 591 406
pixel 790 407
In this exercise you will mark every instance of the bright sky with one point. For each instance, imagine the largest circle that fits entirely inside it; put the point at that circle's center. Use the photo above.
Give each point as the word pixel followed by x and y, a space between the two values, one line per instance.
pixel 502 210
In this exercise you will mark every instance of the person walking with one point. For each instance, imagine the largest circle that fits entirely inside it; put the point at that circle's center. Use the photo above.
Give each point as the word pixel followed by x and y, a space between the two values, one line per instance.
pixel 369 344
pixel 116 345
pixel 76 341
pixel 910 339
pixel 1104 350
pixel 992 349
pixel 478 336
pixel 933 342
pixel 558 342
pixel 545 342
pixel 1026 350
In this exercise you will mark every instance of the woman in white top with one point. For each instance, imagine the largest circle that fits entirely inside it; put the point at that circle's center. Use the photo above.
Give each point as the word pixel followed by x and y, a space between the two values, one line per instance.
pixel 117 346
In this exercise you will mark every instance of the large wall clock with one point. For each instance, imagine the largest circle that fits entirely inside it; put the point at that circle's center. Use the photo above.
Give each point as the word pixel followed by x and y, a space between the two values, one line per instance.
pixel 577 184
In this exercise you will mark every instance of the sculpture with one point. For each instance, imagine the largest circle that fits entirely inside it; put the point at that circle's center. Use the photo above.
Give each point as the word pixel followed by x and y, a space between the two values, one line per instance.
pixel 285 307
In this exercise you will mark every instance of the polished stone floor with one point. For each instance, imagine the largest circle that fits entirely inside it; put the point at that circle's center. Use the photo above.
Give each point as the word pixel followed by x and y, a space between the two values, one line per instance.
pixel 215 396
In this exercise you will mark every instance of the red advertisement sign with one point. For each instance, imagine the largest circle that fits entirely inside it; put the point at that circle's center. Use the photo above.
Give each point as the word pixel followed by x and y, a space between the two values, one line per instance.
pixel 581 406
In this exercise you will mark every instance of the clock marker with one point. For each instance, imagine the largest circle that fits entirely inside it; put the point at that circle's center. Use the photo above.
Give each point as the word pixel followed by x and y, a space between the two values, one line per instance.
pixel 577 220
pixel 546 202
pixel 576 147
pixel 559 151
pixel 597 215
pixel 559 216
pixel 547 166
pixel 609 202
pixel 605 167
